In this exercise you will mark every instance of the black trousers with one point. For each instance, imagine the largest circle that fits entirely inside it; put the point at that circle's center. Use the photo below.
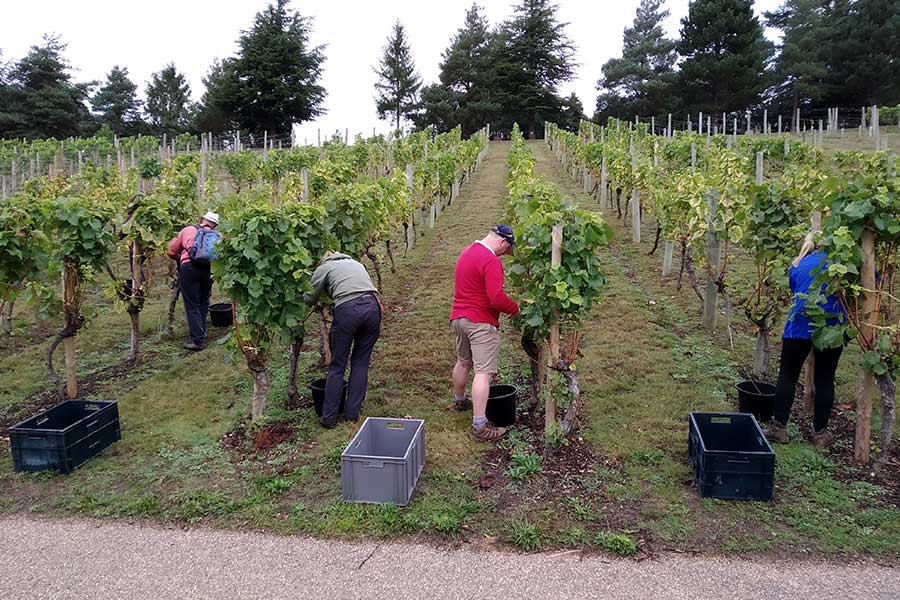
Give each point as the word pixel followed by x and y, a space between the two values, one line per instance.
pixel 196 285
pixel 354 331
pixel 793 355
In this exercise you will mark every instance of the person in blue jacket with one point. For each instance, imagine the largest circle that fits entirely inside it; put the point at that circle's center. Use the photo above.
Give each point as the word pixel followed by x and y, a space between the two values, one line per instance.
pixel 796 344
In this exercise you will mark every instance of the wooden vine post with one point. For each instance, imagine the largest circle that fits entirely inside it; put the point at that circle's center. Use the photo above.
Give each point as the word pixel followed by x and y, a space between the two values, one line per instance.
pixel 635 201
pixel 712 264
pixel 136 301
pixel 411 226
pixel 71 317
pixel 867 331
pixel 553 355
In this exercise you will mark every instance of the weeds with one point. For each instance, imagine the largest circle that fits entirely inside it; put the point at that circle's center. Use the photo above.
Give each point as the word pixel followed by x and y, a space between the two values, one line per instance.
pixel 525 535
pixel 616 543
pixel 523 466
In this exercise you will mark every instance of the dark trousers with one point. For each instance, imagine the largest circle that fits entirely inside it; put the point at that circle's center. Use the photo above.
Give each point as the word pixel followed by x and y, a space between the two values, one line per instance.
pixel 196 285
pixel 793 355
pixel 356 325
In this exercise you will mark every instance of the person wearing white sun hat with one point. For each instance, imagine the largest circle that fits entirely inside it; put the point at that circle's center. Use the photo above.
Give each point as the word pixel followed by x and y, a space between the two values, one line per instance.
pixel 194 248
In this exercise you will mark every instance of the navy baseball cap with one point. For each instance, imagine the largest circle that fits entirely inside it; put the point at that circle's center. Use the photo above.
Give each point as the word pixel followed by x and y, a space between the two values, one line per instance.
pixel 506 232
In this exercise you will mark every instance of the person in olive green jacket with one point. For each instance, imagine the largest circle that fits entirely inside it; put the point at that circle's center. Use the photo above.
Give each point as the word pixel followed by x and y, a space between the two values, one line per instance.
pixel 356 325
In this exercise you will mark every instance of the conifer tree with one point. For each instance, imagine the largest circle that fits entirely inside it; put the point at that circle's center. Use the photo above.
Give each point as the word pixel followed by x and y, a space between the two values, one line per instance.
pixel 639 82
pixel 397 88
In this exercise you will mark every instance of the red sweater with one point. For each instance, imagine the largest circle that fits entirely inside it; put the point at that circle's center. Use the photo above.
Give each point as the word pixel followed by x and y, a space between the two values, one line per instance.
pixel 478 294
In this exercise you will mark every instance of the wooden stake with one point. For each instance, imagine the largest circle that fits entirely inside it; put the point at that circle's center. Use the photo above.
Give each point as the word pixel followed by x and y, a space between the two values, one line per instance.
pixel 668 253
pixel 759 168
pixel 712 264
pixel 867 331
pixel 553 357
pixel 603 182
pixel 635 216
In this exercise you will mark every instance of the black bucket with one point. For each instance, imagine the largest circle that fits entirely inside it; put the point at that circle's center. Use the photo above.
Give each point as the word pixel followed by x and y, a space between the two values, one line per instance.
pixel 317 388
pixel 221 315
pixel 757 398
pixel 501 405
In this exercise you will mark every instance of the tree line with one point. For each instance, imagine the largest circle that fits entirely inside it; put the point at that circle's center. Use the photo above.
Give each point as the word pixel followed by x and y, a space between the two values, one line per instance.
pixel 832 53
pixel 270 83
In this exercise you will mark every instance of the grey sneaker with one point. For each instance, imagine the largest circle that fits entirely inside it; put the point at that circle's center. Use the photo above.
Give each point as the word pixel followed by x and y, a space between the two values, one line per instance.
pixel 822 439
pixel 195 347
pixel 777 432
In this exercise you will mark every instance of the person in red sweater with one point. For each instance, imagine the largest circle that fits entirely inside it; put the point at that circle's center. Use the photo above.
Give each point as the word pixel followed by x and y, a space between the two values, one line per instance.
pixel 478 301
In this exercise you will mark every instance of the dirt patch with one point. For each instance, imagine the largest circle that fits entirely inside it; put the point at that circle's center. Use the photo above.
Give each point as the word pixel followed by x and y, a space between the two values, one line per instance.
pixel 271 435
pixel 87 385
pixel 243 439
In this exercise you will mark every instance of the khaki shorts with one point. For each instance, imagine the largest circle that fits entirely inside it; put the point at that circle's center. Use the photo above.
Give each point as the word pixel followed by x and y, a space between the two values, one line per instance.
pixel 477 345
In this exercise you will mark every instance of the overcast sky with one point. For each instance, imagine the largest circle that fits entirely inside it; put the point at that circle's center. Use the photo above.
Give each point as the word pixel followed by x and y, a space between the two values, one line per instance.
pixel 191 33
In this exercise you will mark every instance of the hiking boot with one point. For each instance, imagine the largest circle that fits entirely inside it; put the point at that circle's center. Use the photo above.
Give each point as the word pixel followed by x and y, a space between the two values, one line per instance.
pixel 463 406
pixel 328 423
pixel 822 439
pixel 195 347
pixel 777 432
pixel 488 433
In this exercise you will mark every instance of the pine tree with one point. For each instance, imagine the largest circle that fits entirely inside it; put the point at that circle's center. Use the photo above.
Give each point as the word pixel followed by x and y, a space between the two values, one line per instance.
pixel 530 56
pixel 211 115
pixel 398 83
pixel 116 103
pixel 463 95
pixel 725 56
pixel 639 82
pixel 862 50
pixel 572 113
pixel 39 98
pixel 802 64
pixel 272 82
pixel 168 101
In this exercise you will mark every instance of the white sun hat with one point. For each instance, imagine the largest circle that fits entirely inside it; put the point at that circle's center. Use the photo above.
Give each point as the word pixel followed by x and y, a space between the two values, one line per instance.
pixel 212 217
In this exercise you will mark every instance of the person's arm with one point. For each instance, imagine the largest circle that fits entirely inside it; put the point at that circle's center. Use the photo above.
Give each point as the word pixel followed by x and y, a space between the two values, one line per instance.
pixel 493 285
pixel 318 285
pixel 175 246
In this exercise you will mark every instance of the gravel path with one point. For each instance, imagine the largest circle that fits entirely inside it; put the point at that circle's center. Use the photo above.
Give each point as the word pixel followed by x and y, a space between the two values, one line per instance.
pixel 48 559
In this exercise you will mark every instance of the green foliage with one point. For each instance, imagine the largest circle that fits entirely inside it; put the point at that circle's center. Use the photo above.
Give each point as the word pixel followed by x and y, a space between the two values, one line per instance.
pixel 525 535
pixel 23 245
pixel 266 257
pixel 616 543
pixel 523 466
pixel 80 229
pixel 869 201
pixel 535 207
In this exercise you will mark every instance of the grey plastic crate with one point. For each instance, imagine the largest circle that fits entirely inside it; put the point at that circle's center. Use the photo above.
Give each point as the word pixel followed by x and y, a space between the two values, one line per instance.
pixel 383 461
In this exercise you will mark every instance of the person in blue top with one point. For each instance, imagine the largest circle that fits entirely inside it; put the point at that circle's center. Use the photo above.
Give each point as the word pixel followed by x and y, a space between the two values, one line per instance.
pixel 795 347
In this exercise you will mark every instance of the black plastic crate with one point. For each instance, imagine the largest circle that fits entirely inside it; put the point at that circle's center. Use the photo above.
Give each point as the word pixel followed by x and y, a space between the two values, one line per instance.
pixel 731 458
pixel 65 436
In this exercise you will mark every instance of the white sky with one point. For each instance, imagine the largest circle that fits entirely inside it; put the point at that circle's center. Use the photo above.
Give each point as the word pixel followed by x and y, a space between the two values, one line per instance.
pixel 191 33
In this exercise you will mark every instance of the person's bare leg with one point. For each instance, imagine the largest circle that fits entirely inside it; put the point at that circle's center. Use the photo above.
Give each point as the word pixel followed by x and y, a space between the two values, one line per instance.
pixel 481 385
pixel 460 379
